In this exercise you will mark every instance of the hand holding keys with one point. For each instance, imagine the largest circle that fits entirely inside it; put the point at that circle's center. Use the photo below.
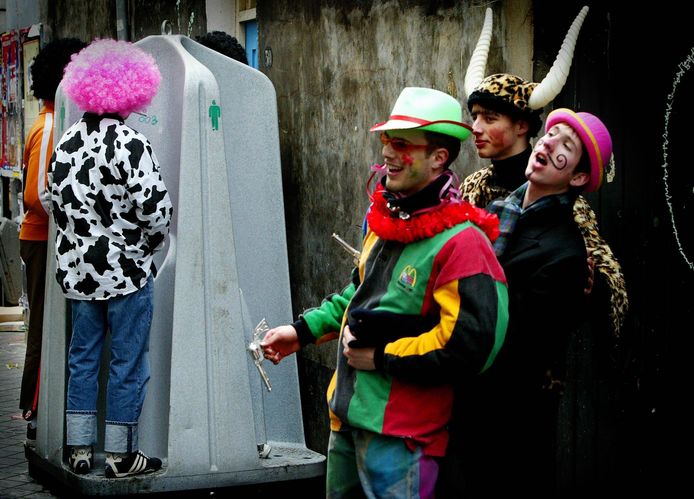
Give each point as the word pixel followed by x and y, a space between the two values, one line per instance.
pixel 257 351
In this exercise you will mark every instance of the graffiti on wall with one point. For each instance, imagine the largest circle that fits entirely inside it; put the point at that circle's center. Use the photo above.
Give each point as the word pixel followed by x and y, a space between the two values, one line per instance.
pixel 677 171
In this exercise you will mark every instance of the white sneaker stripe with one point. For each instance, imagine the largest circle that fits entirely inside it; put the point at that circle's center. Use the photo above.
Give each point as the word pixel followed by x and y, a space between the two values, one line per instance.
pixel 139 464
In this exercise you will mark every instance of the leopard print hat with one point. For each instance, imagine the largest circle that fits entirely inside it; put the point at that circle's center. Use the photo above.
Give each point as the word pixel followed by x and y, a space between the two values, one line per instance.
pixel 511 90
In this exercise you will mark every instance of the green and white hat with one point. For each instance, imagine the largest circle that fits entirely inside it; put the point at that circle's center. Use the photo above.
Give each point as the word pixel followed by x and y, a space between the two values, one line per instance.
pixel 426 109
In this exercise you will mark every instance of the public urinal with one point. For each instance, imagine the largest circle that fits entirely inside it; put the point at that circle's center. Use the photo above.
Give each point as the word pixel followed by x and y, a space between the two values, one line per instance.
pixel 207 415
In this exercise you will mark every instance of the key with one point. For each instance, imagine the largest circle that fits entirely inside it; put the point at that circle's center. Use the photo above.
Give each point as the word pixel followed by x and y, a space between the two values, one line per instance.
pixel 254 348
pixel 256 351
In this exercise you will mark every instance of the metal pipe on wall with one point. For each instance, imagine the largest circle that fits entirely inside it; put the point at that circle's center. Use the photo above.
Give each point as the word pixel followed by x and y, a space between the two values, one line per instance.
pixel 121 20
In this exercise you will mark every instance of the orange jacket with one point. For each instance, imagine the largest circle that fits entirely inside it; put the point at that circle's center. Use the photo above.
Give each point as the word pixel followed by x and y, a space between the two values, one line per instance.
pixel 37 154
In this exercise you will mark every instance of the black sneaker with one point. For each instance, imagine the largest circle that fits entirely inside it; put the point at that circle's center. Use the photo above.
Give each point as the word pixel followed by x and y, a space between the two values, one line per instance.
pixel 135 463
pixel 31 437
pixel 81 460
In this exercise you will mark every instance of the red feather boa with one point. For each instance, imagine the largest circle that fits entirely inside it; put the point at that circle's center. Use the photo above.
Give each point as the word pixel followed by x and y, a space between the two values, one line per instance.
pixel 390 227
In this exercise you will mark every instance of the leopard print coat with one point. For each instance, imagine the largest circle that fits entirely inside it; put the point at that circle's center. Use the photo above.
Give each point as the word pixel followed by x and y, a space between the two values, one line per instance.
pixel 478 190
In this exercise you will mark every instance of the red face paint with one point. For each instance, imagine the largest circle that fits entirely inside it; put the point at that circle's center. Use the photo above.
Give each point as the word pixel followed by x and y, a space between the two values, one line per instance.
pixel 407 159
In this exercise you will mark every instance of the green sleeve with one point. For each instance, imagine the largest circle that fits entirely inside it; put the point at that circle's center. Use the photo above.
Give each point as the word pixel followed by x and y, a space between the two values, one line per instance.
pixel 327 317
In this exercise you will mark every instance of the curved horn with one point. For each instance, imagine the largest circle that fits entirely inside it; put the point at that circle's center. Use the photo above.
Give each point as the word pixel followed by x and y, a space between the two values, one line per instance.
pixel 478 60
pixel 552 84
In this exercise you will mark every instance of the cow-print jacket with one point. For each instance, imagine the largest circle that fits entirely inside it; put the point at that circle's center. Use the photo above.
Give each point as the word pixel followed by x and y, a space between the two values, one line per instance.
pixel 111 208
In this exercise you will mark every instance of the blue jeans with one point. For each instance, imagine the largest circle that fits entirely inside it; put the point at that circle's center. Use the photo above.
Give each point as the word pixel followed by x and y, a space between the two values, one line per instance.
pixel 128 318
pixel 366 464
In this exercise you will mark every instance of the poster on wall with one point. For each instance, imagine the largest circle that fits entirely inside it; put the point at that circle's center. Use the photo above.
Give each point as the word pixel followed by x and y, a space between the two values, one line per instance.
pixel 11 101
pixel 3 104
pixel 30 49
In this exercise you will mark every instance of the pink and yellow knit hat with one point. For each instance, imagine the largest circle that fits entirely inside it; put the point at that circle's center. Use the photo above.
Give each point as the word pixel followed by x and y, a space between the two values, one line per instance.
pixel 595 137
pixel 110 76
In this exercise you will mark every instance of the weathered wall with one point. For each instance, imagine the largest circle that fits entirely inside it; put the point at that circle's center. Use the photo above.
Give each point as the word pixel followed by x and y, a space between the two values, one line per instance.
pixel 187 17
pixel 89 19
pixel 338 67
pixel 83 19
pixel 14 13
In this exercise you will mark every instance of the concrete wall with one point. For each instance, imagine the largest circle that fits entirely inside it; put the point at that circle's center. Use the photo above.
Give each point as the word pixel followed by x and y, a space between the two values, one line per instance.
pixel 78 18
pixel 187 17
pixel 338 68
pixel 18 13
pixel 89 19
pixel 221 16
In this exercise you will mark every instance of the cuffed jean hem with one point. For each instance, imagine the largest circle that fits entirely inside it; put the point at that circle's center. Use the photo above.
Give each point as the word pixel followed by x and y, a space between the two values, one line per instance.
pixel 121 437
pixel 81 428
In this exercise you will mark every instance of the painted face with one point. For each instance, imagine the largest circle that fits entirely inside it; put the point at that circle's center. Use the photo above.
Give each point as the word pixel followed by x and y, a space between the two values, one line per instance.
pixel 554 158
pixel 496 135
pixel 409 168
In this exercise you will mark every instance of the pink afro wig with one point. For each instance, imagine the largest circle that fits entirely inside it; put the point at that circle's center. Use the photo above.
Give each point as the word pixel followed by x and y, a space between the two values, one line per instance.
pixel 110 76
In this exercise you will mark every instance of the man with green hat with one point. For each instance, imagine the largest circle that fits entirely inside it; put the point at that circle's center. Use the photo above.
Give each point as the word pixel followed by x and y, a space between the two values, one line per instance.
pixel 427 307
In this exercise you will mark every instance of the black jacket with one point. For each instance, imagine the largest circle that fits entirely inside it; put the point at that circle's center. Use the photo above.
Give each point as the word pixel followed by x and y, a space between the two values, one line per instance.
pixel 545 265
pixel 504 425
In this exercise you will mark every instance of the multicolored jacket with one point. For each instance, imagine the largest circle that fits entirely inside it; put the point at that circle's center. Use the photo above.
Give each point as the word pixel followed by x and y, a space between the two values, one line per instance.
pixel 431 297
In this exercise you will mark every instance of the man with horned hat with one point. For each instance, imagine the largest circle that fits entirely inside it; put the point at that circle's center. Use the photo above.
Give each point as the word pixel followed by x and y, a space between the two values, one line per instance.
pixel 426 306
pixel 112 214
pixel 506 114
pixel 486 430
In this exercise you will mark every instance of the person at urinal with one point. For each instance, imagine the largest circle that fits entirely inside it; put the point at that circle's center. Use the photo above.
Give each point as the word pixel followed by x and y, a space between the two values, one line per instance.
pixel 46 72
pixel 223 43
pixel 112 214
